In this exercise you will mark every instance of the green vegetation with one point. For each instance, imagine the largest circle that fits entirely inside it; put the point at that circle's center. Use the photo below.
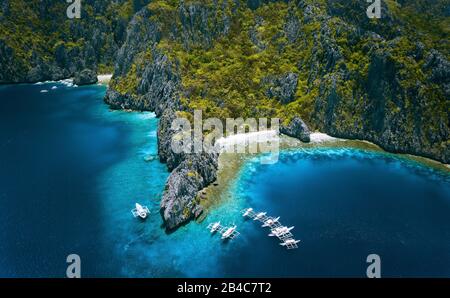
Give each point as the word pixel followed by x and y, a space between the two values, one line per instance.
pixel 34 30
pixel 226 78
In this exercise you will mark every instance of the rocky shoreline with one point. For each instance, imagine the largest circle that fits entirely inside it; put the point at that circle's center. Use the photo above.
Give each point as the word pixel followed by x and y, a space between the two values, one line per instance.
pixel 190 173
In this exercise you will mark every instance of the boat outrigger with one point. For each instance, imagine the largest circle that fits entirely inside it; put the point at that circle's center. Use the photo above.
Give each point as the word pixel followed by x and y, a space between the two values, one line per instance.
pixel 214 227
pixel 270 222
pixel 283 233
pixel 226 232
pixel 259 215
pixel 140 211
pixel 229 232
pixel 280 231
pixel 247 212
pixel 290 243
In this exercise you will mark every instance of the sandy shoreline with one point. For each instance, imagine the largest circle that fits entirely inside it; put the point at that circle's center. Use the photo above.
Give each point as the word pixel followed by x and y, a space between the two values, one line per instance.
pixel 103 79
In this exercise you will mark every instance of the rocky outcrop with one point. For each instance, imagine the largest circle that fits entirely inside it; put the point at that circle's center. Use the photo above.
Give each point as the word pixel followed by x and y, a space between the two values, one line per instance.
pixel 439 69
pixel 297 128
pixel 355 76
pixel 44 71
pixel 160 84
pixel 180 203
pixel 158 89
pixel 11 70
pixel 141 35
pixel 389 113
pixel 85 77
pixel 199 26
pixel 191 172
pixel 165 136
pixel 119 101
pixel 282 87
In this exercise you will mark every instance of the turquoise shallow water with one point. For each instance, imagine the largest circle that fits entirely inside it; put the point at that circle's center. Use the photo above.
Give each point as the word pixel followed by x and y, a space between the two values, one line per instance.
pixel 71 171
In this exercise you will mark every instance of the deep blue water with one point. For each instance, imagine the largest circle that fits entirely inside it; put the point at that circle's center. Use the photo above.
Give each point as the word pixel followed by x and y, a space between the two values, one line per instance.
pixel 71 171
pixel 346 204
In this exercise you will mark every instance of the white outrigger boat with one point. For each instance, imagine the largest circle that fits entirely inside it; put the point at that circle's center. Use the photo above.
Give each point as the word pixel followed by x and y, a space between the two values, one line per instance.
pixel 140 211
pixel 226 232
pixel 229 232
pixel 260 215
pixel 280 231
pixel 290 243
pixel 247 212
pixel 283 233
pixel 270 222
pixel 215 226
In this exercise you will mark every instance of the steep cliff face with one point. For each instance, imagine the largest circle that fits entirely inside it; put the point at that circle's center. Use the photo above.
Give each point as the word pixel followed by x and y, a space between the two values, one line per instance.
pixel 146 79
pixel 39 42
pixel 387 89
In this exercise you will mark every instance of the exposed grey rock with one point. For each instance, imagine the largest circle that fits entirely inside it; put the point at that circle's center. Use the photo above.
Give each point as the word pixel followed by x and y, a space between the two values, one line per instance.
pixel 439 66
pixel 141 35
pixel 190 173
pixel 85 77
pixel 382 115
pixel 165 135
pixel 331 52
pixel 297 129
pixel 376 111
pixel 353 13
pixel 121 101
pixel 179 203
pixel 419 51
pixel 37 74
pixel 283 87
pixel 158 90
pixel 253 35
pixel 292 26
pixel 199 24
pixel 56 73
pixel 159 84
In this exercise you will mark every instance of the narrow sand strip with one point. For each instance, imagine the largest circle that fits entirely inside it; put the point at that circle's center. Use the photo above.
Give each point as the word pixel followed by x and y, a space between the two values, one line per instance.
pixel 318 137
pixel 248 138
pixel 104 78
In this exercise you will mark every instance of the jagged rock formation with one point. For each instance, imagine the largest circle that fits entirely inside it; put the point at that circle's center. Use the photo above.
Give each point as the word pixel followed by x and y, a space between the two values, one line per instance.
pixel 157 88
pixel 85 77
pixel 282 88
pixel 297 128
pixel 180 202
